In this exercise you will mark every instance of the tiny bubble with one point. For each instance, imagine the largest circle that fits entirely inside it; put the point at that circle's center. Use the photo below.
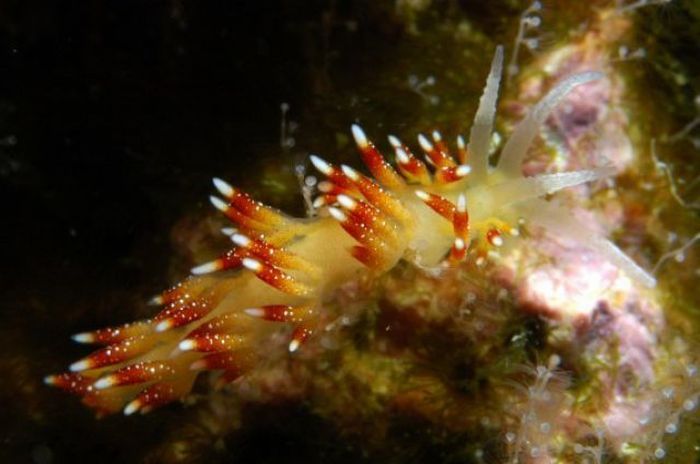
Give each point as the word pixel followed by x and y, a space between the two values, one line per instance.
pixel 671 428
pixel 510 437
pixel 554 361
pixel 640 53
pixel 42 454
pixel 659 453
pixel 502 294
pixel 532 21
pixel 689 404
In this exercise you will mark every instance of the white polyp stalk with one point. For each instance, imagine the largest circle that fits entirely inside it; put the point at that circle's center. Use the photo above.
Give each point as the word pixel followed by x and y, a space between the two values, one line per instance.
pixel 517 145
pixel 480 135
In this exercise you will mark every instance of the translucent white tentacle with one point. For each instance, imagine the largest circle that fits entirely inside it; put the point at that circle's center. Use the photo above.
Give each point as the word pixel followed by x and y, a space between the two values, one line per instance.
pixel 517 145
pixel 525 188
pixel 559 222
pixel 480 135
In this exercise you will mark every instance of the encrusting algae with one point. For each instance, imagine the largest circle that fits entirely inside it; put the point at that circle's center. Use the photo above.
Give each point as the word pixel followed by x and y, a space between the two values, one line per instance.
pixel 282 269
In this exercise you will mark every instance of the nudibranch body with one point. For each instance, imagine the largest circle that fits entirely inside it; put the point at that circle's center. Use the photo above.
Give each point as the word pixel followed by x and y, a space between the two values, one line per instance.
pixel 449 210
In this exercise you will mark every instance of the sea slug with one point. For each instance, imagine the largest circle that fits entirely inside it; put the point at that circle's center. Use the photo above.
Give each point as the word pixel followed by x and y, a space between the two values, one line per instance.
pixel 455 210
